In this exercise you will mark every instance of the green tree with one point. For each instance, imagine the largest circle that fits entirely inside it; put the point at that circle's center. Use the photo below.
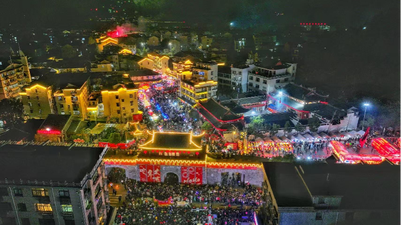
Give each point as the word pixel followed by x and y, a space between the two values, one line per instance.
pixel 313 123
pixel 206 126
pixel 257 121
pixel 299 127
pixel 91 41
pixel 115 138
pixel 287 126
pixel 275 129
pixel 11 112
pixel 68 52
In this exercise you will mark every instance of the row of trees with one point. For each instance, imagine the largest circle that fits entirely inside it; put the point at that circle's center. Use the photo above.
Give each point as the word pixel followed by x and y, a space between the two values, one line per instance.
pixel 258 124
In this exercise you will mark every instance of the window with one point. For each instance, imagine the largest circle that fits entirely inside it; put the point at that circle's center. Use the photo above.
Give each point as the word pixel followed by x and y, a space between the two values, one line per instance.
pixel 18 192
pixel 319 216
pixel 118 111
pixel 264 81
pixel 131 103
pixel 132 110
pixel 277 81
pixel 131 96
pixel 257 79
pixel 211 73
pixel 38 104
pixel 37 97
pixel 43 207
pixel 66 208
pixel 116 96
pixel 349 216
pixel 250 77
pixel 31 111
pixel 38 192
pixel 64 193
pixel 123 108
pixel 250 85
pixel 257 86
pixel 21 207
pixel 118 104
pixel 122 100
pixel 29 97
pixel 321 201
pixel 240 73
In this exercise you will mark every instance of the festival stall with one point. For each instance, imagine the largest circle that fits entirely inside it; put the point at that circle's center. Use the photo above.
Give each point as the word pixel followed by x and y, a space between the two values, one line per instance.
pixel 324 136
pixel 308 137
pixel 300 138
pixel 316 136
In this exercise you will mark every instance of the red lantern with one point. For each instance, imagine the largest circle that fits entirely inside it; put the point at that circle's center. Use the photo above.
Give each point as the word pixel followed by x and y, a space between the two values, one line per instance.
pixel 145 151
pixel 197 153
pixel 153 151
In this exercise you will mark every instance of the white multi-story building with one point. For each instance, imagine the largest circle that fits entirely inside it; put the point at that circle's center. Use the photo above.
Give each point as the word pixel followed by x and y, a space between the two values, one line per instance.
pixel 239 77
pixel 270 79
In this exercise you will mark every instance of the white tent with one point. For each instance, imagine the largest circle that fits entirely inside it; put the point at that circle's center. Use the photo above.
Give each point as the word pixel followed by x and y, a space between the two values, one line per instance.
pixel 300 138
pixel 292 138
pixel 360 133
pixel 284 139
pixel 308 137
pixel 267 139
pixel 276 139
pixel 316 136
pixel 324 135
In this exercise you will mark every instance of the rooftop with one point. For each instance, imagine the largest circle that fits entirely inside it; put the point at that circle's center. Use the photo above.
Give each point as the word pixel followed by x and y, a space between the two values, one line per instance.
pixel 303 93
pixel 362 186
pixel 46 163
pixel 325 110
pixel 25 131
pixel 224 69
pixel 54 122
pixel 287 185
pixel 173 141
pixel 219 111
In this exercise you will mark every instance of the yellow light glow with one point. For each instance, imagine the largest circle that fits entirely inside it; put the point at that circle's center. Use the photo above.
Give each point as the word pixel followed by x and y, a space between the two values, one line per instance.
pixel 125 51
pixel 22 93
pixel 144 60
pixel 188 62
pixel 221 64
pixel 36 85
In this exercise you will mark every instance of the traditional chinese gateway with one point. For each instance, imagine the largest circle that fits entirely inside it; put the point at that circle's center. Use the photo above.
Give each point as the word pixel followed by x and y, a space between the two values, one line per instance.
pixel 181 157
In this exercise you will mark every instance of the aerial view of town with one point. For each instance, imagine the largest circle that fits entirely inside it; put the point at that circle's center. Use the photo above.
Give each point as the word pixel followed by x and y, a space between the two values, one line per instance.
pixel 173 112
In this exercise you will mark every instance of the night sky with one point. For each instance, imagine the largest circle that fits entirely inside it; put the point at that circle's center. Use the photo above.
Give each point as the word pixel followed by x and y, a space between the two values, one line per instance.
pixel 244 12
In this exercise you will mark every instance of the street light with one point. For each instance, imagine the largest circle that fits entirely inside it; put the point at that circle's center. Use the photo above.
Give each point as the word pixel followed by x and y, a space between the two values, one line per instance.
pixel 364 114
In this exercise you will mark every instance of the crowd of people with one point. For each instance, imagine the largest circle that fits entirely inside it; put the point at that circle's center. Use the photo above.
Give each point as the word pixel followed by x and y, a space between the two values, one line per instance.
pixel 188 204
pixel 171 113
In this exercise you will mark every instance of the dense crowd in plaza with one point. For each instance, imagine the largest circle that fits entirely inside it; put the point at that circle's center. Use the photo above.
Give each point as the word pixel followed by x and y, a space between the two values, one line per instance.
pixel 202 204
pixel 172 115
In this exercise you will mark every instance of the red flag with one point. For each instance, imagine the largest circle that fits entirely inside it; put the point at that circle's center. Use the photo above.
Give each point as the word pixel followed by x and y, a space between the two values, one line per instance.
pixel 364 137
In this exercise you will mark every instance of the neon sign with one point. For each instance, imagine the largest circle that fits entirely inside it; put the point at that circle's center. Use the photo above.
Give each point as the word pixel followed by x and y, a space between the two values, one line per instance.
pixel 47 131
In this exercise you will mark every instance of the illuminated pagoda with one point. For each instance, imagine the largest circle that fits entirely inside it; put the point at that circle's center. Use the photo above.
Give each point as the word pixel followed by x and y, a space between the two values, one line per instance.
pixel 181 158
pixel 221 117
pixel 173 145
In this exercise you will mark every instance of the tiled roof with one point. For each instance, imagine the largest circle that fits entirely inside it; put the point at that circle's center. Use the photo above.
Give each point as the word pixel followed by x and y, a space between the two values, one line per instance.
pixel 175 141
pixel 219 111
pixel 303 93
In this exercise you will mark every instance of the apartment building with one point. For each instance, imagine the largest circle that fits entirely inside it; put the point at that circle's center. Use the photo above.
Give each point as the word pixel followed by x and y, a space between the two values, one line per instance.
pixel 14 77
pixel 205 70
pixel 72 96
pixel 239 77
pixel 193 91
pixel 270 79
pixel 120 101
pixel 37 100
pixel 43 185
